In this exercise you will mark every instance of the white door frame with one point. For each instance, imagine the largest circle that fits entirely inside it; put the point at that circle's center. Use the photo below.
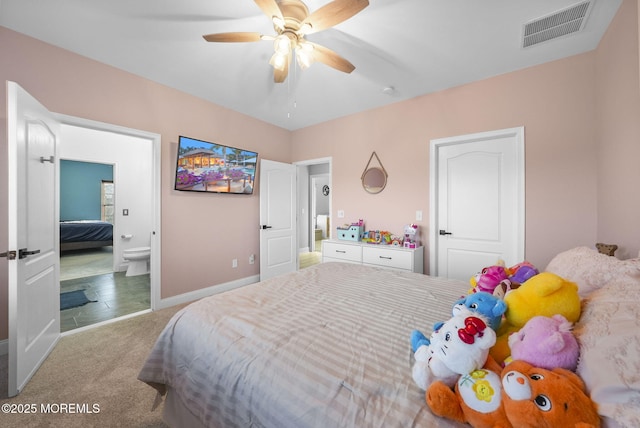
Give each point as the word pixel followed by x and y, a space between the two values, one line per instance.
pixel 313 196
pixel 434 148
pixel 309 162
pixel 155 277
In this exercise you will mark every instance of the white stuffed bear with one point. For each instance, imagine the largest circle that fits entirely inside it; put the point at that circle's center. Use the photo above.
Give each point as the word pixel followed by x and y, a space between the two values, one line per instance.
pixel 427 369
pixel 456 347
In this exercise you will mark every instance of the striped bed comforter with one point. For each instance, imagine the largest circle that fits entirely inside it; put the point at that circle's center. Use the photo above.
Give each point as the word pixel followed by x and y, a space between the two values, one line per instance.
pixel 327 346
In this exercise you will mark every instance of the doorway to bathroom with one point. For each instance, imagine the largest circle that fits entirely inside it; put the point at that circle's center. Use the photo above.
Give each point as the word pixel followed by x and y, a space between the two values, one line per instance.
pixel 314 205
pixel 106 179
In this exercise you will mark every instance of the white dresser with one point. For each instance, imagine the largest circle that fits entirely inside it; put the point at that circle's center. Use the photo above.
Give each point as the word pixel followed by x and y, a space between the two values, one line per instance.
pixel 388 256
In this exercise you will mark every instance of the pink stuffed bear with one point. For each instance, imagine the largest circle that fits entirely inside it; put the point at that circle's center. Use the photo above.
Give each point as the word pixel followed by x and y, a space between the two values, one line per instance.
pixel 488 279
pixel 546 342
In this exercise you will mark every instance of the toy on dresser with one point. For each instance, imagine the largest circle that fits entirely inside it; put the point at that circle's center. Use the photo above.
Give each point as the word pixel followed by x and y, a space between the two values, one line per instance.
pixel 351 232
pixel 411 236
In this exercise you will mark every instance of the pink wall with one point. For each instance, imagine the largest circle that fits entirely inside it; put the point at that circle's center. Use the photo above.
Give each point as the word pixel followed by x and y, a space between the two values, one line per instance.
pixel 581 123
pixel 555 104
pixel 618 100
pixel 200 233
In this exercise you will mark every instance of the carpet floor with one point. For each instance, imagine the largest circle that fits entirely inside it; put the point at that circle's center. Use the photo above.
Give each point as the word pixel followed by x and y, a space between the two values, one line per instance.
pixel 97 367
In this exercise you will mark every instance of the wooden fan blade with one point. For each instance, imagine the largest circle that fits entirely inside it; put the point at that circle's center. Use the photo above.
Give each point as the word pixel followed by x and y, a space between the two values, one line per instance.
pixel 332 59
pixel 270 8
pixel 233 37
pixel 332 14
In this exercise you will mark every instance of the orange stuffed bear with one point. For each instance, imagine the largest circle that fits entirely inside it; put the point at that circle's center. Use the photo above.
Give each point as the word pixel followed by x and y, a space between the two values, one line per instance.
pixel 523 396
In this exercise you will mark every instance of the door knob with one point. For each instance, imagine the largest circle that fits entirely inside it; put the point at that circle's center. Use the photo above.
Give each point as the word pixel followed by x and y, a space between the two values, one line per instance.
pixel 23 253
pixel 11 255
pixel 264 226
pixel 444 232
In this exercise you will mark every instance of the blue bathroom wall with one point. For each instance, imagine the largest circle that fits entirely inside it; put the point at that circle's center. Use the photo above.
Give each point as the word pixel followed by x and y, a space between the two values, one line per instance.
pixel 80 189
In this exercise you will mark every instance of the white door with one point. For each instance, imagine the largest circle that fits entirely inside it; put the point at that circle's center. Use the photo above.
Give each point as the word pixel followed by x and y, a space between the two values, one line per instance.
pixel 477 202
pixel 34 288
pixel 278 253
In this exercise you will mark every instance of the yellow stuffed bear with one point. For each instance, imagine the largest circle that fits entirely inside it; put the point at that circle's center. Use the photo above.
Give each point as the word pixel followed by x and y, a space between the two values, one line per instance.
pixel 544 294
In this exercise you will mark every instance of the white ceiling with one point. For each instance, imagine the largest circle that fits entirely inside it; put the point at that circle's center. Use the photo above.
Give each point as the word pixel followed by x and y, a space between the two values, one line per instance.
pixel 413 46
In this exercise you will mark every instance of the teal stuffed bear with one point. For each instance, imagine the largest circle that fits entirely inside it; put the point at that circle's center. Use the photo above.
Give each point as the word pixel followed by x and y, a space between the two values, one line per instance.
pixel 485 304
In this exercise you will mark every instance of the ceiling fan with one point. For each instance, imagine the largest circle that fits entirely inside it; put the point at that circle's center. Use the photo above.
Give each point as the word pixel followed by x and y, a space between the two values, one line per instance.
pixel 292 21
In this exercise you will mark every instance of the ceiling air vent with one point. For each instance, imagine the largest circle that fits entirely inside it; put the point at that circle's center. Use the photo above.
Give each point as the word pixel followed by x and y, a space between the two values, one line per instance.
pixel 557 24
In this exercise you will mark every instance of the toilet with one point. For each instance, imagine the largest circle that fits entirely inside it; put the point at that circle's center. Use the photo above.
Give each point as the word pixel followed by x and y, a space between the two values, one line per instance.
pixel 138 259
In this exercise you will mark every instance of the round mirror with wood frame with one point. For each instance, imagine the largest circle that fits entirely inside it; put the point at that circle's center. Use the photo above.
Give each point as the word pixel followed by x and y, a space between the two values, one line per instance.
pixel 374 178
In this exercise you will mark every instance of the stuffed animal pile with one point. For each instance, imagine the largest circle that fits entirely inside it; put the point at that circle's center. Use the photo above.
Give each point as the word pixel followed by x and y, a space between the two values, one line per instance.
pixel 507 356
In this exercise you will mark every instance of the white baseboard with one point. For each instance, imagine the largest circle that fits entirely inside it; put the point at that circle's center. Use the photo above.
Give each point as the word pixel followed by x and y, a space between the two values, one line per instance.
pixel 4 347
pixel 204 292
pixel 303 250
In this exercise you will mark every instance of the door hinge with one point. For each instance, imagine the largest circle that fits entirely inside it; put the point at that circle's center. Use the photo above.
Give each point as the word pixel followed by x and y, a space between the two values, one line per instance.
pixel 10 255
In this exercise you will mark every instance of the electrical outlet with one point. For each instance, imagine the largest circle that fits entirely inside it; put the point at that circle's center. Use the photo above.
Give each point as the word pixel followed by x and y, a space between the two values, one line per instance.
pixel 234 263
pixel 252 259
pixel 340 214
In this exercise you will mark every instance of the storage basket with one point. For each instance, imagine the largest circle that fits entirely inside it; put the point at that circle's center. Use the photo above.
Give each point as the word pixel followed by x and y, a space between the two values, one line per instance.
pixel 352 233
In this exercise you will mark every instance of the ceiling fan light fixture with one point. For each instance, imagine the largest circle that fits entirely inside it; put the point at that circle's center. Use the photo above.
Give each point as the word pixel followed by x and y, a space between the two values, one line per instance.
pixel 282 44
pixel 278 61
pixel 292 22
pixel 304 58
pixel 304 55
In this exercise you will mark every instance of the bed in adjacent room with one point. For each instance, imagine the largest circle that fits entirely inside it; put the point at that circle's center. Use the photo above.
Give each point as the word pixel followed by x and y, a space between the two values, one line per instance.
pixel 328 346
pixel 84 234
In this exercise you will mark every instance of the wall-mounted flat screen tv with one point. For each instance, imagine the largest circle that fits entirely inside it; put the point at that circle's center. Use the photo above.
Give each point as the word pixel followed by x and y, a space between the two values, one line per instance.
pixel 210 167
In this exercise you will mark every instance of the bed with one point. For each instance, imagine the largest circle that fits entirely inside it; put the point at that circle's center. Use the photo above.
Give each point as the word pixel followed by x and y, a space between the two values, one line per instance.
pixel 84 234
pixel 328 346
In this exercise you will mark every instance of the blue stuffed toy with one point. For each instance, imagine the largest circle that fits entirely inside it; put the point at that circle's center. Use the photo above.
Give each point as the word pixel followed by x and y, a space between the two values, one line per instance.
pixel 418 339
pixel 481 302
pixel 485 304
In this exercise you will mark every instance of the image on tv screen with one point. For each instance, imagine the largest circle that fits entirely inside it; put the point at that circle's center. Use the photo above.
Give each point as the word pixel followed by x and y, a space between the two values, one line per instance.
pixel 209 167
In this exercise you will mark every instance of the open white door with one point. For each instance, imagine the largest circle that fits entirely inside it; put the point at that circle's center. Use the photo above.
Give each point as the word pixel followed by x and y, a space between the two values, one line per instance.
pixel 34 266
pixel 477 206
pixel 278 253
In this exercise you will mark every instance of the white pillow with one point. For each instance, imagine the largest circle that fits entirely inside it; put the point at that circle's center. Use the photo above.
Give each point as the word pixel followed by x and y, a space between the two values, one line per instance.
pixel 590 269
pixel 609 335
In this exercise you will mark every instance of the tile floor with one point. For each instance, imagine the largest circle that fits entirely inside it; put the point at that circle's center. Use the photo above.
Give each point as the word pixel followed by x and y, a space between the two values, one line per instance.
pixel 116 294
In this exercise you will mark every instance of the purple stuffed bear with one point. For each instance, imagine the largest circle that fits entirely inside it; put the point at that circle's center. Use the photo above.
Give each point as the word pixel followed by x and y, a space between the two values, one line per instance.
pixel 546 342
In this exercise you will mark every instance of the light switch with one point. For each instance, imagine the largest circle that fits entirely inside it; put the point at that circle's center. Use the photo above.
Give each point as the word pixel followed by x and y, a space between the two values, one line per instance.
pixel 418 215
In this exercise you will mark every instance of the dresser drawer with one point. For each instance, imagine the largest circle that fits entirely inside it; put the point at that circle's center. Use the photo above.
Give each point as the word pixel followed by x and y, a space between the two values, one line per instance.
pixel 387 257
pixel 345 252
